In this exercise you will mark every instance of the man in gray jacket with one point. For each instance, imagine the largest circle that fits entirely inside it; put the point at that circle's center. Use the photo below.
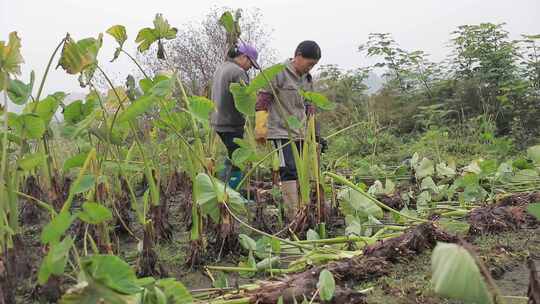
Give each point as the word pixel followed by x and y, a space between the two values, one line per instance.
pixel 226 120
pixel 270 122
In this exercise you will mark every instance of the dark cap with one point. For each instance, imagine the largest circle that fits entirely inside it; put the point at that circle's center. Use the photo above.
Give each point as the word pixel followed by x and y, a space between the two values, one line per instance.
pixel 308 49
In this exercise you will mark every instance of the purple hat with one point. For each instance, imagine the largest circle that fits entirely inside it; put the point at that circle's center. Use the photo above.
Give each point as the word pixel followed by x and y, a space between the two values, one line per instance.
pixel 250 52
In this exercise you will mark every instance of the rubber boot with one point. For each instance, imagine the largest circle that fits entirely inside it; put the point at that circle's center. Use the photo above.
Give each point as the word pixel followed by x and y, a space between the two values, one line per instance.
pixel 289 191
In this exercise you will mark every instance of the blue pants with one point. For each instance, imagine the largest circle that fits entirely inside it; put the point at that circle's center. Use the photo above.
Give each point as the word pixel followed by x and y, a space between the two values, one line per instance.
pixel 232 173
pixel 287 165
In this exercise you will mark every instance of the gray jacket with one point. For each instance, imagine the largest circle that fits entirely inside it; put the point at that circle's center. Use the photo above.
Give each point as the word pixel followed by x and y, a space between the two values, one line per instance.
pixel 287 84
pixel 226 117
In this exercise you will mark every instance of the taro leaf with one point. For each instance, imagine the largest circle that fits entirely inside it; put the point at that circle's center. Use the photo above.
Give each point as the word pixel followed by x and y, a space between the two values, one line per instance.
pixel 242 155
pixel 533 153
pixel 260 82
pixel 243 101
pixel 201 107
pixel 175 291
pixel 326 285
pixel 207 197
pixel 118 32
pixel 52 232
pixel 93 292
pixel 73 112
pixel 30 126
pixel 163 29
pixel 522 163
pixel 319 100
pixel 75 161
pixel 424 168
pixel 19 92
pixel 163 87
pixel 45 108
pixel 77 111
pixel 221 281
pixel 354 226
pixel 429 184
pixel 487 167
pixel 94 213
pixel 445 171
pixel 146 85
pixel 31 161
pixel 227 21
pixel 293 122
pixel 147 36
pixel 456 275
pixel 525 176
pixel 247 242
pixel 77 56
pixel 10 58
pixel 354 203
pixel 112 272
pixel 371 226
pixel 136 108
pixel 473 167
pixel 86 183
pixel 454 226
pixel 55 261
pixel 312 235
pixel 534 209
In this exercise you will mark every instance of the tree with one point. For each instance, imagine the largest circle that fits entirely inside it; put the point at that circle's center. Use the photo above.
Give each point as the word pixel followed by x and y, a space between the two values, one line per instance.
pixel 200 47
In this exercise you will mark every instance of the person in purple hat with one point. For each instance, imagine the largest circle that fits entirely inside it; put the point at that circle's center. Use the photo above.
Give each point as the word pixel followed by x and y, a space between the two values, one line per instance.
pixel 226 120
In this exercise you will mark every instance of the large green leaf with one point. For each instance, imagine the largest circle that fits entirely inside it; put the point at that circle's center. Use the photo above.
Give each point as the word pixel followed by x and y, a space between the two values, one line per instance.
pixel 175 291
pixel 424 168
pixel 75 161
pixel 85 184
pixel 45 108
pixel 30 126
pixel 19 92
pixel 138 107
pixel 118 32
pixel 456 275
pixel 53 231
pixel 319 100
pixel 29 162
pixel 201 107
pixel 207 197
pixel 112 272
pixel 93 292
pixel 162 30
pixel 10 57
pixel 77 111
pixel 354 203
pixel 227 21
pixel 533 153
pixel 243 101
pixel 55 261
pixel 77 56
pixel 326 285
pixel 260 81
pixel 94 213
pixel 247 242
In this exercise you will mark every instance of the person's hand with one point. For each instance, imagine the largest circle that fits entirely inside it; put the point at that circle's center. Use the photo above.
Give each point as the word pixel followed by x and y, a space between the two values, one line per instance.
pixel 323 144
pixel 261 128
pixel 310 109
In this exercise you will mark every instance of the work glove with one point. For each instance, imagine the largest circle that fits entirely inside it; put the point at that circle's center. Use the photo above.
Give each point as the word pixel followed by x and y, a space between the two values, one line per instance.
pixel 261 126
pixel 323 144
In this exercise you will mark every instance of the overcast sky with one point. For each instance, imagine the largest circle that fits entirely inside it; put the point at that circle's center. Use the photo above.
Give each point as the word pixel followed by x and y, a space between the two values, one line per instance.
pixel 338 26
